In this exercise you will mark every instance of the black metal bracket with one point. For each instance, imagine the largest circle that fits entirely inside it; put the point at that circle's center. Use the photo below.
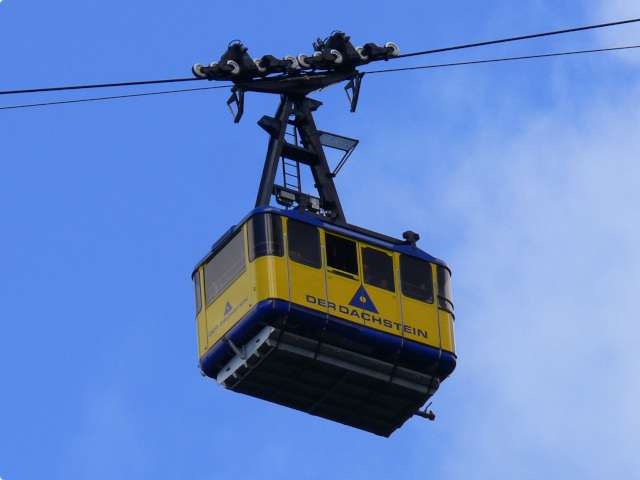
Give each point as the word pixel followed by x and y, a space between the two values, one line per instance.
pixel 411 238
pixel 237 97
pixel 428 414
pixel 295 110
pixel 335 53
pixel 354 86
pixel 334 59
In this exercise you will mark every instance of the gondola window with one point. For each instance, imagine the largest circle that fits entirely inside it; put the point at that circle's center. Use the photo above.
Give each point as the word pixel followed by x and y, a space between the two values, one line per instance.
pixel 444 288
pixel 304 243
pixel 378 268
pixel 265 236
pixel 342 254
pixel 417 279
pixel 196 284
pixel 224 268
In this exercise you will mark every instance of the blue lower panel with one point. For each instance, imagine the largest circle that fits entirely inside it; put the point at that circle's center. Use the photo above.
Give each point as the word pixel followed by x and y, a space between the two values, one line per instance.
pixel 268 312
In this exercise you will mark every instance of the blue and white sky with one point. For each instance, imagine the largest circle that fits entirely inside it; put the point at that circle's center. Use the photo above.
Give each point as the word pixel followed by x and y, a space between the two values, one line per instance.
pixel 523 176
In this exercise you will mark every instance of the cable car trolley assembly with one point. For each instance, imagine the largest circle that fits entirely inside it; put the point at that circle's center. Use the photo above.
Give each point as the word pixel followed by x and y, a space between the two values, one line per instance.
pixel 293 304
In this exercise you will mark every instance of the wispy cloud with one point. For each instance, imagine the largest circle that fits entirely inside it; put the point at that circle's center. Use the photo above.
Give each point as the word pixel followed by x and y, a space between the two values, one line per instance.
pixel 550 260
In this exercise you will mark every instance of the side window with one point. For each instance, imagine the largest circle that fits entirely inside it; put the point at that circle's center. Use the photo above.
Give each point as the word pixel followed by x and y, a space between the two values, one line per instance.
pixel 444 288
pixel 342 253
pixel 196 284
pixel 416 277
pixel 304 243
pixel 264 234
pixel 224 268
pixel 377 268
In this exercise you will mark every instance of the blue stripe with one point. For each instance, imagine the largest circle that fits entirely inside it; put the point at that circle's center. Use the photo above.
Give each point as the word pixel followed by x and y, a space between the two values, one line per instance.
pixel 268 311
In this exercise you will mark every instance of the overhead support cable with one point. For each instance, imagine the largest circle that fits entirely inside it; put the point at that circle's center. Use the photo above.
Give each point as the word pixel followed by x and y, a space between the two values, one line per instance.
pixel 493 60
pixel 334 54
pixel 362 51
pixel 513 39
pixel 387 70
pixel 112 97
pixel 101 85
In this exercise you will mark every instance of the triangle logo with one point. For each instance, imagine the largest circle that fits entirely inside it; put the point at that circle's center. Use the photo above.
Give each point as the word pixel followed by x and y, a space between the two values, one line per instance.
pixel 362 300
pixel 228 308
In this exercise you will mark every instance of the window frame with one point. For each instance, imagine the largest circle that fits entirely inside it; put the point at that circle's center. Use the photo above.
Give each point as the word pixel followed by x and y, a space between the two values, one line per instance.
pixel 374 276
pixel 445 299
pixel 198 291
pixel 231 273
pixel 270 235
pixel 315 260
pixel 411 290
pixel 348 267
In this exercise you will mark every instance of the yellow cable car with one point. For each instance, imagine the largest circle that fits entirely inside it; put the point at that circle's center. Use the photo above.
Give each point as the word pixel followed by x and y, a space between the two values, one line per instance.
pixel 298 307
pixel 337 322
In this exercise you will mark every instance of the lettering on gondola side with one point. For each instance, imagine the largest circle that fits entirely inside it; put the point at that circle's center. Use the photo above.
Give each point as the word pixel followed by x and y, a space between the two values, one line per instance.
pixel 229 312
pixel 366 316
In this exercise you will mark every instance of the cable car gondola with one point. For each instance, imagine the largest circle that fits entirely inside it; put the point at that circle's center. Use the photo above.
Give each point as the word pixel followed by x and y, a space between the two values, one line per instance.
pixel 296 306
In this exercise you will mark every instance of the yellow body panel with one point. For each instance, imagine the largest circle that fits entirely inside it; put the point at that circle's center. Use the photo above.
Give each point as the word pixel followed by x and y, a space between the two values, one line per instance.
pixel 388 317
pixel 306 283
pixel 446 331
pixel 341 290
pixel 420 321
pixel 224 312
pixel 270 279
pixel 201 322
pixel 218 316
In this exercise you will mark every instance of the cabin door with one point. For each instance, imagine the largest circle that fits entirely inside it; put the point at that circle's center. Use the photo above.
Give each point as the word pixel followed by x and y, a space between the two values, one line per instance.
pixel 344 283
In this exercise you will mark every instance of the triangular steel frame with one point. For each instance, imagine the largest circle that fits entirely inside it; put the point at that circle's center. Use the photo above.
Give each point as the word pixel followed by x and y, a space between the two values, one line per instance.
pixel 296 109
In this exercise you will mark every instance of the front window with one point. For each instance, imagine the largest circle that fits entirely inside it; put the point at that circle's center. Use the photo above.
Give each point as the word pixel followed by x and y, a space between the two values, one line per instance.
pixel 196 284
pixel 444 288
pixel 417 278
pixel 264 232
pixel 224 268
